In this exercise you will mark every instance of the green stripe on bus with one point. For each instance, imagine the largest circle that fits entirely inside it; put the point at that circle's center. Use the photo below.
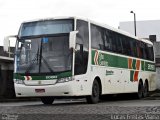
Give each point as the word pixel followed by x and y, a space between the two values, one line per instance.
pixel 142 65
pixel 134 64
pixel 47 77
pixel 109 60
pixel 93 55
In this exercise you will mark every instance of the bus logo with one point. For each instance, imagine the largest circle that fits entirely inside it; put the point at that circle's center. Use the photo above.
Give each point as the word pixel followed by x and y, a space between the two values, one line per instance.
pixel 51 77
pixel 99 59
pixel 109 72
pixel 151 67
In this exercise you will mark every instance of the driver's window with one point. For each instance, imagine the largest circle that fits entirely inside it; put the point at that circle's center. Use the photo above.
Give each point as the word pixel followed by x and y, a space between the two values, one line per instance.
pixel 82 46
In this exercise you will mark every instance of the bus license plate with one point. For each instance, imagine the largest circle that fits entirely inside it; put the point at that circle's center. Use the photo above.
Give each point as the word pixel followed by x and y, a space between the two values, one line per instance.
pixel 39 90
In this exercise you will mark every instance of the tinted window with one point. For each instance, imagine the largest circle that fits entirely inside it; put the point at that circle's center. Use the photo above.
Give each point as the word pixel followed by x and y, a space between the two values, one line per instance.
pixel 110 41
pixel 104 39
pixel 82 46
pixel 119 44
pixel 149 52
pixel 126 45
pixel 133 47
pixel 142 47
pixel 97 36
pixel 46 27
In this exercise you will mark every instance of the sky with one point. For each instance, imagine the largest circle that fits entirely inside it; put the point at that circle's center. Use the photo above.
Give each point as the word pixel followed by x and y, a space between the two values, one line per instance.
pixel 110 12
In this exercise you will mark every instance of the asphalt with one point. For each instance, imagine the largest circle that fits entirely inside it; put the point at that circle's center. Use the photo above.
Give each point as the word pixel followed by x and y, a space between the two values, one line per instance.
pixel 152 96
pixel 18 99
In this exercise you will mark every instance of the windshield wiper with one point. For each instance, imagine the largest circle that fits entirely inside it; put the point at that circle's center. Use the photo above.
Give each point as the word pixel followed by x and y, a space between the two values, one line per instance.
pixel 41 57
pixel 37 58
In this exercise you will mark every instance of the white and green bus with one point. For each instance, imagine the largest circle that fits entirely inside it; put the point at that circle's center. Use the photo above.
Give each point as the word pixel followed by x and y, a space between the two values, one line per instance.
pixel 73 57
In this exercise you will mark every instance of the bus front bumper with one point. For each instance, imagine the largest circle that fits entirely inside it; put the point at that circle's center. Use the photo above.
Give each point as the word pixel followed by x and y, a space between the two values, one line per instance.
pixel 71 88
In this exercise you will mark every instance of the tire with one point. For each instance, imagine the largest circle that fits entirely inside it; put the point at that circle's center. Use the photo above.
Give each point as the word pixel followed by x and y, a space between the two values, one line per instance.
pixel 47 100
pixel 145 90
pixel 140 90
pixel 94 98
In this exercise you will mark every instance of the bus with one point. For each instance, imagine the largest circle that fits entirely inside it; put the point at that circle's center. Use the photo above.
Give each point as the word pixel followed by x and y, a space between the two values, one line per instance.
pixel 74 57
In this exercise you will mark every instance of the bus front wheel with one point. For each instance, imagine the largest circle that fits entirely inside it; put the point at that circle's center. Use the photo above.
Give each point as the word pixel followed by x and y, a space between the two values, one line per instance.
pixel 94 97
pixel 47 100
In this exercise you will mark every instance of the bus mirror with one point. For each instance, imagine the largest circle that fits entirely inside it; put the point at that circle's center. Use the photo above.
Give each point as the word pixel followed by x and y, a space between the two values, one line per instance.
pixel 72 39
pixel 6 42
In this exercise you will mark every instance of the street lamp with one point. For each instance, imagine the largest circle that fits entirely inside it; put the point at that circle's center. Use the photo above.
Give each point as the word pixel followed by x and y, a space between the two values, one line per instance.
pixel 134 22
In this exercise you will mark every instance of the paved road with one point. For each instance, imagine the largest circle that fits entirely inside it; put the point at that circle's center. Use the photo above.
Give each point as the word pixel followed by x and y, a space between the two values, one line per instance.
pixel 79 109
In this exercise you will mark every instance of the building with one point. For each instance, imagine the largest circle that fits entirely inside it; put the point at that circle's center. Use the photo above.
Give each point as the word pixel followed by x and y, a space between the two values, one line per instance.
pixel 6 74
pixel 147 29
pixel 157 55
pixel 143 28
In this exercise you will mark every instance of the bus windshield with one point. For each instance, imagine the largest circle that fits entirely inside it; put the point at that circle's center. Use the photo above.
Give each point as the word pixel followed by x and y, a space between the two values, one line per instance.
pixel 43 52
pixel 43 55
pixel 47 27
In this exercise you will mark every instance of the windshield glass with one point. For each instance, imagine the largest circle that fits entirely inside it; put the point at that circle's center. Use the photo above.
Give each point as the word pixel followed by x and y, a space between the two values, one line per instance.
pixel 43 55
pixel 46 27
pixel 43 47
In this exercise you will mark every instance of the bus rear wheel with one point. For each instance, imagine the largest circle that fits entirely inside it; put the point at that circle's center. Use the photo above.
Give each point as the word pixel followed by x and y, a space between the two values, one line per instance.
pixel 94 97
pixel 47 100
pixel 140 90
pixel 145 90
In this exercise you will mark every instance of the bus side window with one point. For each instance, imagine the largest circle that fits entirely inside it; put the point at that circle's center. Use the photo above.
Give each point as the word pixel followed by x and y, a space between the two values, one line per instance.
pixel 119 44
pixel 82 43
pixel 94 42
pixel 108 40
pixel 97 37
pixel 152 53
pixel 133 48
pixel 149 52
pixel 114 47
pixel 143 50
pixel 126 45
pixel 139 52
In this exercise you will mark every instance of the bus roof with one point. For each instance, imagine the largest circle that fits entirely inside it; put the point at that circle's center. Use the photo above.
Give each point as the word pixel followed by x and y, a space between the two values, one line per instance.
pixel 54 18
pixel 98 24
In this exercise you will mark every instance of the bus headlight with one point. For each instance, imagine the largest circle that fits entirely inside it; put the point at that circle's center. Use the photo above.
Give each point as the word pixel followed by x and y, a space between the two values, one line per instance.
pixel 17 81
pixel 67 79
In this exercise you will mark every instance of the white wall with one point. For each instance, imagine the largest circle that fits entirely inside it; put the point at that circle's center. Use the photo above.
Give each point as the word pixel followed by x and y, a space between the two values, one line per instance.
pixel 157 49
pixel 158 77
pixel 157 53
pixel 144 28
